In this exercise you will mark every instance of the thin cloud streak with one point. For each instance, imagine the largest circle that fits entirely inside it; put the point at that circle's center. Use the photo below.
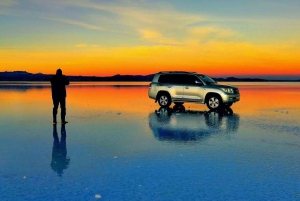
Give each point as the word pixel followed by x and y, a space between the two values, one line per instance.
pixel 82 24
pixel 141 16
pixel 204 31
pixel 72 22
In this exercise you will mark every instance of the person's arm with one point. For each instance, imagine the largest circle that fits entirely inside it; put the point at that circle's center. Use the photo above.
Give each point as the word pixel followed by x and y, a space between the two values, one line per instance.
pixel 67 82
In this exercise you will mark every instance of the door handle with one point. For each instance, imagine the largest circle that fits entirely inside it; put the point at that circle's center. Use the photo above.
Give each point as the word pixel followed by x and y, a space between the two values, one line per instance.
pixel 186 87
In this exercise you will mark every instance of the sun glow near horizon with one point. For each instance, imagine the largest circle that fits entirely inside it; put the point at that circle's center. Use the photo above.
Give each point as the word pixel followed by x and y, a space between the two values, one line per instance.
pixel 143 37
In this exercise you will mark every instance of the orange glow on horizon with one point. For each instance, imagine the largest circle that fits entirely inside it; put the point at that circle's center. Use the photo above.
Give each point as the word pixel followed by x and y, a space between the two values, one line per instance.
pixel 216 59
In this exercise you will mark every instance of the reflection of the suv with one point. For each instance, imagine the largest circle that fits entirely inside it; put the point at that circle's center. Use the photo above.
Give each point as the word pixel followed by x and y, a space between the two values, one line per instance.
pixel 180 87
pixel 176 124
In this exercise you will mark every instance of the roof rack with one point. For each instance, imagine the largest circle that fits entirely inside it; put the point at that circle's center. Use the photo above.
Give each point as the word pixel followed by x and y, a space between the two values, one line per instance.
pixel 176 72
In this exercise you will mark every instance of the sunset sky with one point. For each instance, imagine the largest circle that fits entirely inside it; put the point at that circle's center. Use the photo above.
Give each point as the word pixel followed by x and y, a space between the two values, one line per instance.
pixel 107 37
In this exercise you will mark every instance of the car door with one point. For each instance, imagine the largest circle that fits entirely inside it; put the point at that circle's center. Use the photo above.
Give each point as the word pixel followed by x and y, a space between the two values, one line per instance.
pixel 172 84
pixel 176 88
pixel 192 89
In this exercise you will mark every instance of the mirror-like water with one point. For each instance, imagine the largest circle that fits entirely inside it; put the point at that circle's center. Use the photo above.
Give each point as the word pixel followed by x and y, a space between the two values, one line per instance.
pixel 119 145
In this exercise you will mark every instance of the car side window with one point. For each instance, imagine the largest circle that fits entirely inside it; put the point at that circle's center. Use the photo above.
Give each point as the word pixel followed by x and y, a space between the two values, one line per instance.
pixel 191 80
pixel 164 79
pixel 177 79
pixel 171 79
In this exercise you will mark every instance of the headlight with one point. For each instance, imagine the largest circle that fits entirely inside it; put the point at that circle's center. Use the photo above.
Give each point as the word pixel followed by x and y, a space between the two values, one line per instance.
pixel 227 90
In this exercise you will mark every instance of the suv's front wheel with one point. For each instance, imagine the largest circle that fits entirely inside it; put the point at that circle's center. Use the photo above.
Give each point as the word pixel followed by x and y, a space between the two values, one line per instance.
pixel 164 100
pixel 214 102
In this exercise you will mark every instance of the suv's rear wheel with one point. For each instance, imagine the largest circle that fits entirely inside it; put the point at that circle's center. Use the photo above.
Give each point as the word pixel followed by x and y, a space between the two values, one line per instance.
pixel 164 100
pixel 214 102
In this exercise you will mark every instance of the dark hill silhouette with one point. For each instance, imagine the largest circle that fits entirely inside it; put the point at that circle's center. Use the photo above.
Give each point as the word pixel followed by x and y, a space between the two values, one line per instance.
pixel 25 76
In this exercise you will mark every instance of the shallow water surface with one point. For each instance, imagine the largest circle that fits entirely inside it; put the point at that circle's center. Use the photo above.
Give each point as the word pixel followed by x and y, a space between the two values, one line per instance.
pixel 119 145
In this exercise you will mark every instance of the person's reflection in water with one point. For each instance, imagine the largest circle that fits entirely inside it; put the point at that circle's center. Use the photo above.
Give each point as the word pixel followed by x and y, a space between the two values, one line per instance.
pixel 59 161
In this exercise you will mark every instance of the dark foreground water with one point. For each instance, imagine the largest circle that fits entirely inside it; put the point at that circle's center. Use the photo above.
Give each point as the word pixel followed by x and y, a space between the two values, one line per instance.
pixel 119 145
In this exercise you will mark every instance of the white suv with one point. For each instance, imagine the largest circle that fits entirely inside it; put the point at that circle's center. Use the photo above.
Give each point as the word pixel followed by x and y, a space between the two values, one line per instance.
pixel 179 87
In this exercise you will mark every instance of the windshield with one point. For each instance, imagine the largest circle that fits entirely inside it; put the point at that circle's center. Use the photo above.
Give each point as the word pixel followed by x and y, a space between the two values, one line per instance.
pixel 207 79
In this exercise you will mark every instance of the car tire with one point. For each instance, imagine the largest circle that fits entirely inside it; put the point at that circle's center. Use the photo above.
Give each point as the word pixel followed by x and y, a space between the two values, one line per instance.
pixel 214 102
pixel 164 100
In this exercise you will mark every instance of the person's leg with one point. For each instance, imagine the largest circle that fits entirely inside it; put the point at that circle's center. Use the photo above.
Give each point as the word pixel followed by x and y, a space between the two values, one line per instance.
pixel 63 110
pixel 55 106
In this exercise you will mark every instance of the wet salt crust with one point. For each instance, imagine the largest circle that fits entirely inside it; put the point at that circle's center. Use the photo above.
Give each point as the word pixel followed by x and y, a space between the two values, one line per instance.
pixel 119 145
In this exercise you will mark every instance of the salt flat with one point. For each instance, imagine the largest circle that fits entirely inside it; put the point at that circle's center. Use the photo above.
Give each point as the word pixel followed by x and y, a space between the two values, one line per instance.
pixel 119 145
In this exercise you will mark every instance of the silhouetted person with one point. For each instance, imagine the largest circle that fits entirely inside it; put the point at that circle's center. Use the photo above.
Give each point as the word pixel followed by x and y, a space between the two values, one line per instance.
pixel 59 161
pixel 58 87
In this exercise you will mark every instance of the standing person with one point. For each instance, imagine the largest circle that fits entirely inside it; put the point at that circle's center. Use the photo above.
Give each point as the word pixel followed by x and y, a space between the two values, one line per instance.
pixel 58 87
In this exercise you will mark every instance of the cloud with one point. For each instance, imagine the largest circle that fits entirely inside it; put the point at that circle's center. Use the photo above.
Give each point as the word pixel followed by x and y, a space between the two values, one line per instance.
pixel 135 14
pixel 157 37
pixel 73 22
pixel 81 45
pixel 143 15
pixel 158 23
pixel 205 31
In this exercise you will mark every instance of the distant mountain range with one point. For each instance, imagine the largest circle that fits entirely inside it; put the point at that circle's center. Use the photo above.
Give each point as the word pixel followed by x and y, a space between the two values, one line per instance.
pixel 25 76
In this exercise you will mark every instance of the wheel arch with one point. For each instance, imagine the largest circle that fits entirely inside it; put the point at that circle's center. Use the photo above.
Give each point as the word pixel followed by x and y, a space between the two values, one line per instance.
pixel 209 94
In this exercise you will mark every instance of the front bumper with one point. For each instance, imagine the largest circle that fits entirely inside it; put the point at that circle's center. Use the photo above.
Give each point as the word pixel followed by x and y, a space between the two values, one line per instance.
pixel 230 98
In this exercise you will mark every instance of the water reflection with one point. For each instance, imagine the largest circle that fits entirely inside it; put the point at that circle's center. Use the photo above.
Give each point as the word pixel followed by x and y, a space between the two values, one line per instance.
pixel 59 161
pixel 178 124
pixel 22 87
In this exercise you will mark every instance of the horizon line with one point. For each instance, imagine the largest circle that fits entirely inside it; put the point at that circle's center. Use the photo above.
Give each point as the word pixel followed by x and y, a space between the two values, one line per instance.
pixel 266 77
pixel 241 75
